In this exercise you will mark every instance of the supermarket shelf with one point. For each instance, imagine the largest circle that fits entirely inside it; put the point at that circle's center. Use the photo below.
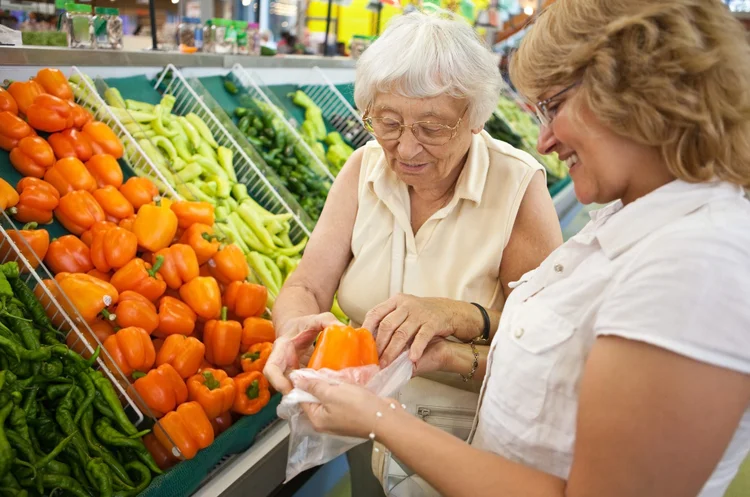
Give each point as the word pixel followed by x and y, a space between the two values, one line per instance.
pixel 51 56
pixel 257 472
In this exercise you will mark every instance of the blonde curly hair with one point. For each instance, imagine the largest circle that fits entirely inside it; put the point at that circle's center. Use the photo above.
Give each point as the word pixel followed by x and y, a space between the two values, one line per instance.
pixel 672 74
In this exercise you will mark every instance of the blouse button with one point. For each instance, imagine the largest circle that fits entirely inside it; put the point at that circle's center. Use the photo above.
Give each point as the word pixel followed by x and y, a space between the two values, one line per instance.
pixel 519 332
pixel 559 268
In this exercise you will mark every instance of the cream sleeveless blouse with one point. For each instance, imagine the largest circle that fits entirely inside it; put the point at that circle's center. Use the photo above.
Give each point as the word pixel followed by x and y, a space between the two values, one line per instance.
pixel 456 254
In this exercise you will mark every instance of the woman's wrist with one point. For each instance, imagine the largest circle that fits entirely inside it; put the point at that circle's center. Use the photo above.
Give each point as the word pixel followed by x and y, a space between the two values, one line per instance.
pixel 468 322
pixel 460 359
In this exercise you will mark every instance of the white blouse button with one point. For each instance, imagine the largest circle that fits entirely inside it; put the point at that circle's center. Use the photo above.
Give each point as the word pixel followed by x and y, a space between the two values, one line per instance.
pixel 519 332
pixel 559 268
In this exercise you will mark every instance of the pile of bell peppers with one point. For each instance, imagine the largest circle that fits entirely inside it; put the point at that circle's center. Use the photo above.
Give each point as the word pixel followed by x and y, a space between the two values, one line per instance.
pixel 62 425
pixel 187 154
pixel 313 131
pixel 152 281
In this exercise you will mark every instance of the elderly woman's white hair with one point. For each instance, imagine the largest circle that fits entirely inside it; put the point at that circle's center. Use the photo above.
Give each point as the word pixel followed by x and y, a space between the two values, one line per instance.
pixel 423 55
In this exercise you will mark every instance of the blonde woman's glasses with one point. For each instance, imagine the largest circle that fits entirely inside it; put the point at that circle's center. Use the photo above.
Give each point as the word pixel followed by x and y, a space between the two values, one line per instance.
pixel 427 133
pixel 546 109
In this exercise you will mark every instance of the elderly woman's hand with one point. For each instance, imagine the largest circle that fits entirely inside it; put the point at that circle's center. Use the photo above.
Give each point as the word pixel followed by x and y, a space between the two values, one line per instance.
pixel 344 409
pixel 293 343
pixel 404 319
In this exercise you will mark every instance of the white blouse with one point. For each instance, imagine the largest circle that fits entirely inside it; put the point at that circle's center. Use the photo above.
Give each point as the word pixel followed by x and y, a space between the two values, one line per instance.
pixel 672 269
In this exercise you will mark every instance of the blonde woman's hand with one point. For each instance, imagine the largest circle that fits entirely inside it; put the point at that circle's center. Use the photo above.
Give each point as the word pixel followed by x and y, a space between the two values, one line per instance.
pixel 293 347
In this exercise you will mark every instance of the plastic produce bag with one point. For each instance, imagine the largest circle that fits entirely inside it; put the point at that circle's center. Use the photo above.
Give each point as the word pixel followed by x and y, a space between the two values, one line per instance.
pixel 308 448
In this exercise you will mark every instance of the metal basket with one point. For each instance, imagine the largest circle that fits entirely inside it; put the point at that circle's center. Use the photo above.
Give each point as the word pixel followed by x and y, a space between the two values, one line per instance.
pixel 254 86
pixel 262 185
pixel 336 109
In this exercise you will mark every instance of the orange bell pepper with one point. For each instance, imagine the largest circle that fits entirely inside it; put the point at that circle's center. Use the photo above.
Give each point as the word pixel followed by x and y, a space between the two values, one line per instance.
pixel 113 248
pixel 68 175
pixel 163 457
pixel 24 93
pixel 7 102
pixel 114 203
pixel 245 299
pixel 133 309
pixel 88 295
pixel 175 317
pixel 96 333
pixel 139 276
pixel 213 390
pixel 203 240
pixel 180 265
pixel 33 250
pixel 162 389
pixel 256 330
pixel 12 130
pixel 103 139
pixel 9 197
pixel 229 264
pixel 55 83
pixel 131 350
pixel 37 200
pixel 100 275
pixel 222 423
pixel 340 347
pixel 185 354
pixel 80 116
pixel 255 358
pixel 87 236
pixel 71 143
pixel 190 213
pixel 187 427
pixel 155 227
pixel 68 254
pixel 222 339
pixel 252 394
pixel 203 296
pixel 139 191
pixel 32 157
pixel 48 113
pixel 106 171
pixel 78 211
pixel 127 224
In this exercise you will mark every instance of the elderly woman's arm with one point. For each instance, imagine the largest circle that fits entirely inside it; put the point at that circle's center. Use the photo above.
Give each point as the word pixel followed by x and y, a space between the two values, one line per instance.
pixel 301 309
pixel 403 318
pixel 651 423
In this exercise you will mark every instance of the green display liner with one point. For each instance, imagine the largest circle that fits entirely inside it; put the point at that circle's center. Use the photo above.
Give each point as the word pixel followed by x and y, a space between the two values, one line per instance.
pixel 186 477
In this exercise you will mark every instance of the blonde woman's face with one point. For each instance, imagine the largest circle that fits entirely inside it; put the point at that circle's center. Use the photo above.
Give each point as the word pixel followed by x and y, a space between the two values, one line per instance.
pixel 416 164
pixel 604 166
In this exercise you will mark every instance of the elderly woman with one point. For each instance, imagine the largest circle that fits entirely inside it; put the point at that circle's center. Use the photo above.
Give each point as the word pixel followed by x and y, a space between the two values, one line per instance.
pixel 621 367
pixel 425 227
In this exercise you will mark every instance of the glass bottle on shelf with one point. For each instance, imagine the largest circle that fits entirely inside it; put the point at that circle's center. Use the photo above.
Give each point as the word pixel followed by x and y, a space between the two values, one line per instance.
pixel 208 37
pixel 186 35
pixel 223 36
pixel 253 39
pixel 80 27
pixel 242 39
pixel 107 25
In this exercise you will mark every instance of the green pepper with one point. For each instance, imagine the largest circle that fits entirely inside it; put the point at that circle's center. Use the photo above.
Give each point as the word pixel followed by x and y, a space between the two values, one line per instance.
pixel 41 463
pixel 89 390
pixel 110 436
pixel 242 112
pixel 98 470
pixel 110 396
pixel 204 131
pixel 244 124
pixel 120 475
pixel 6 453
pixel 52 481
pixel 226 161
pixel 191 132
pixel 142 106
pixel 230 87
pixel 113 98
pixel 52 368
pixel 167 129
pixel 182 146
pixel 190 172
pixel 64 418
pixel 58 468
pixel 144 479
pixel 166 145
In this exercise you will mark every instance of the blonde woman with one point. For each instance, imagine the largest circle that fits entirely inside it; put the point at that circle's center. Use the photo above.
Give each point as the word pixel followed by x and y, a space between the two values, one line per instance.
pixel 621 366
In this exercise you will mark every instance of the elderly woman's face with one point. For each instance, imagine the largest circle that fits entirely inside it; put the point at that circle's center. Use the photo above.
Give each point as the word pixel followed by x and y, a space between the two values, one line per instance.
pixel 417 164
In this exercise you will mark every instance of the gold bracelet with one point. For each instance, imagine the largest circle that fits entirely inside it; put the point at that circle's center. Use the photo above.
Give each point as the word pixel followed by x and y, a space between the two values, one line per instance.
pixel 474 366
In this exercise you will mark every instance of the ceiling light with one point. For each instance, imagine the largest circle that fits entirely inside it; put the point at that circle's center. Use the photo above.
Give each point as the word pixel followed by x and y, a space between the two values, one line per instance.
pixel 528 10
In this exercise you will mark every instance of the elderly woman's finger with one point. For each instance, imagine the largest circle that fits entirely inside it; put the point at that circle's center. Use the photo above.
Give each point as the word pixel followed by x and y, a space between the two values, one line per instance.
pixel 422 339
pixel 400 340
pixel 276 378
pixel 388 326
pixel 377 314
